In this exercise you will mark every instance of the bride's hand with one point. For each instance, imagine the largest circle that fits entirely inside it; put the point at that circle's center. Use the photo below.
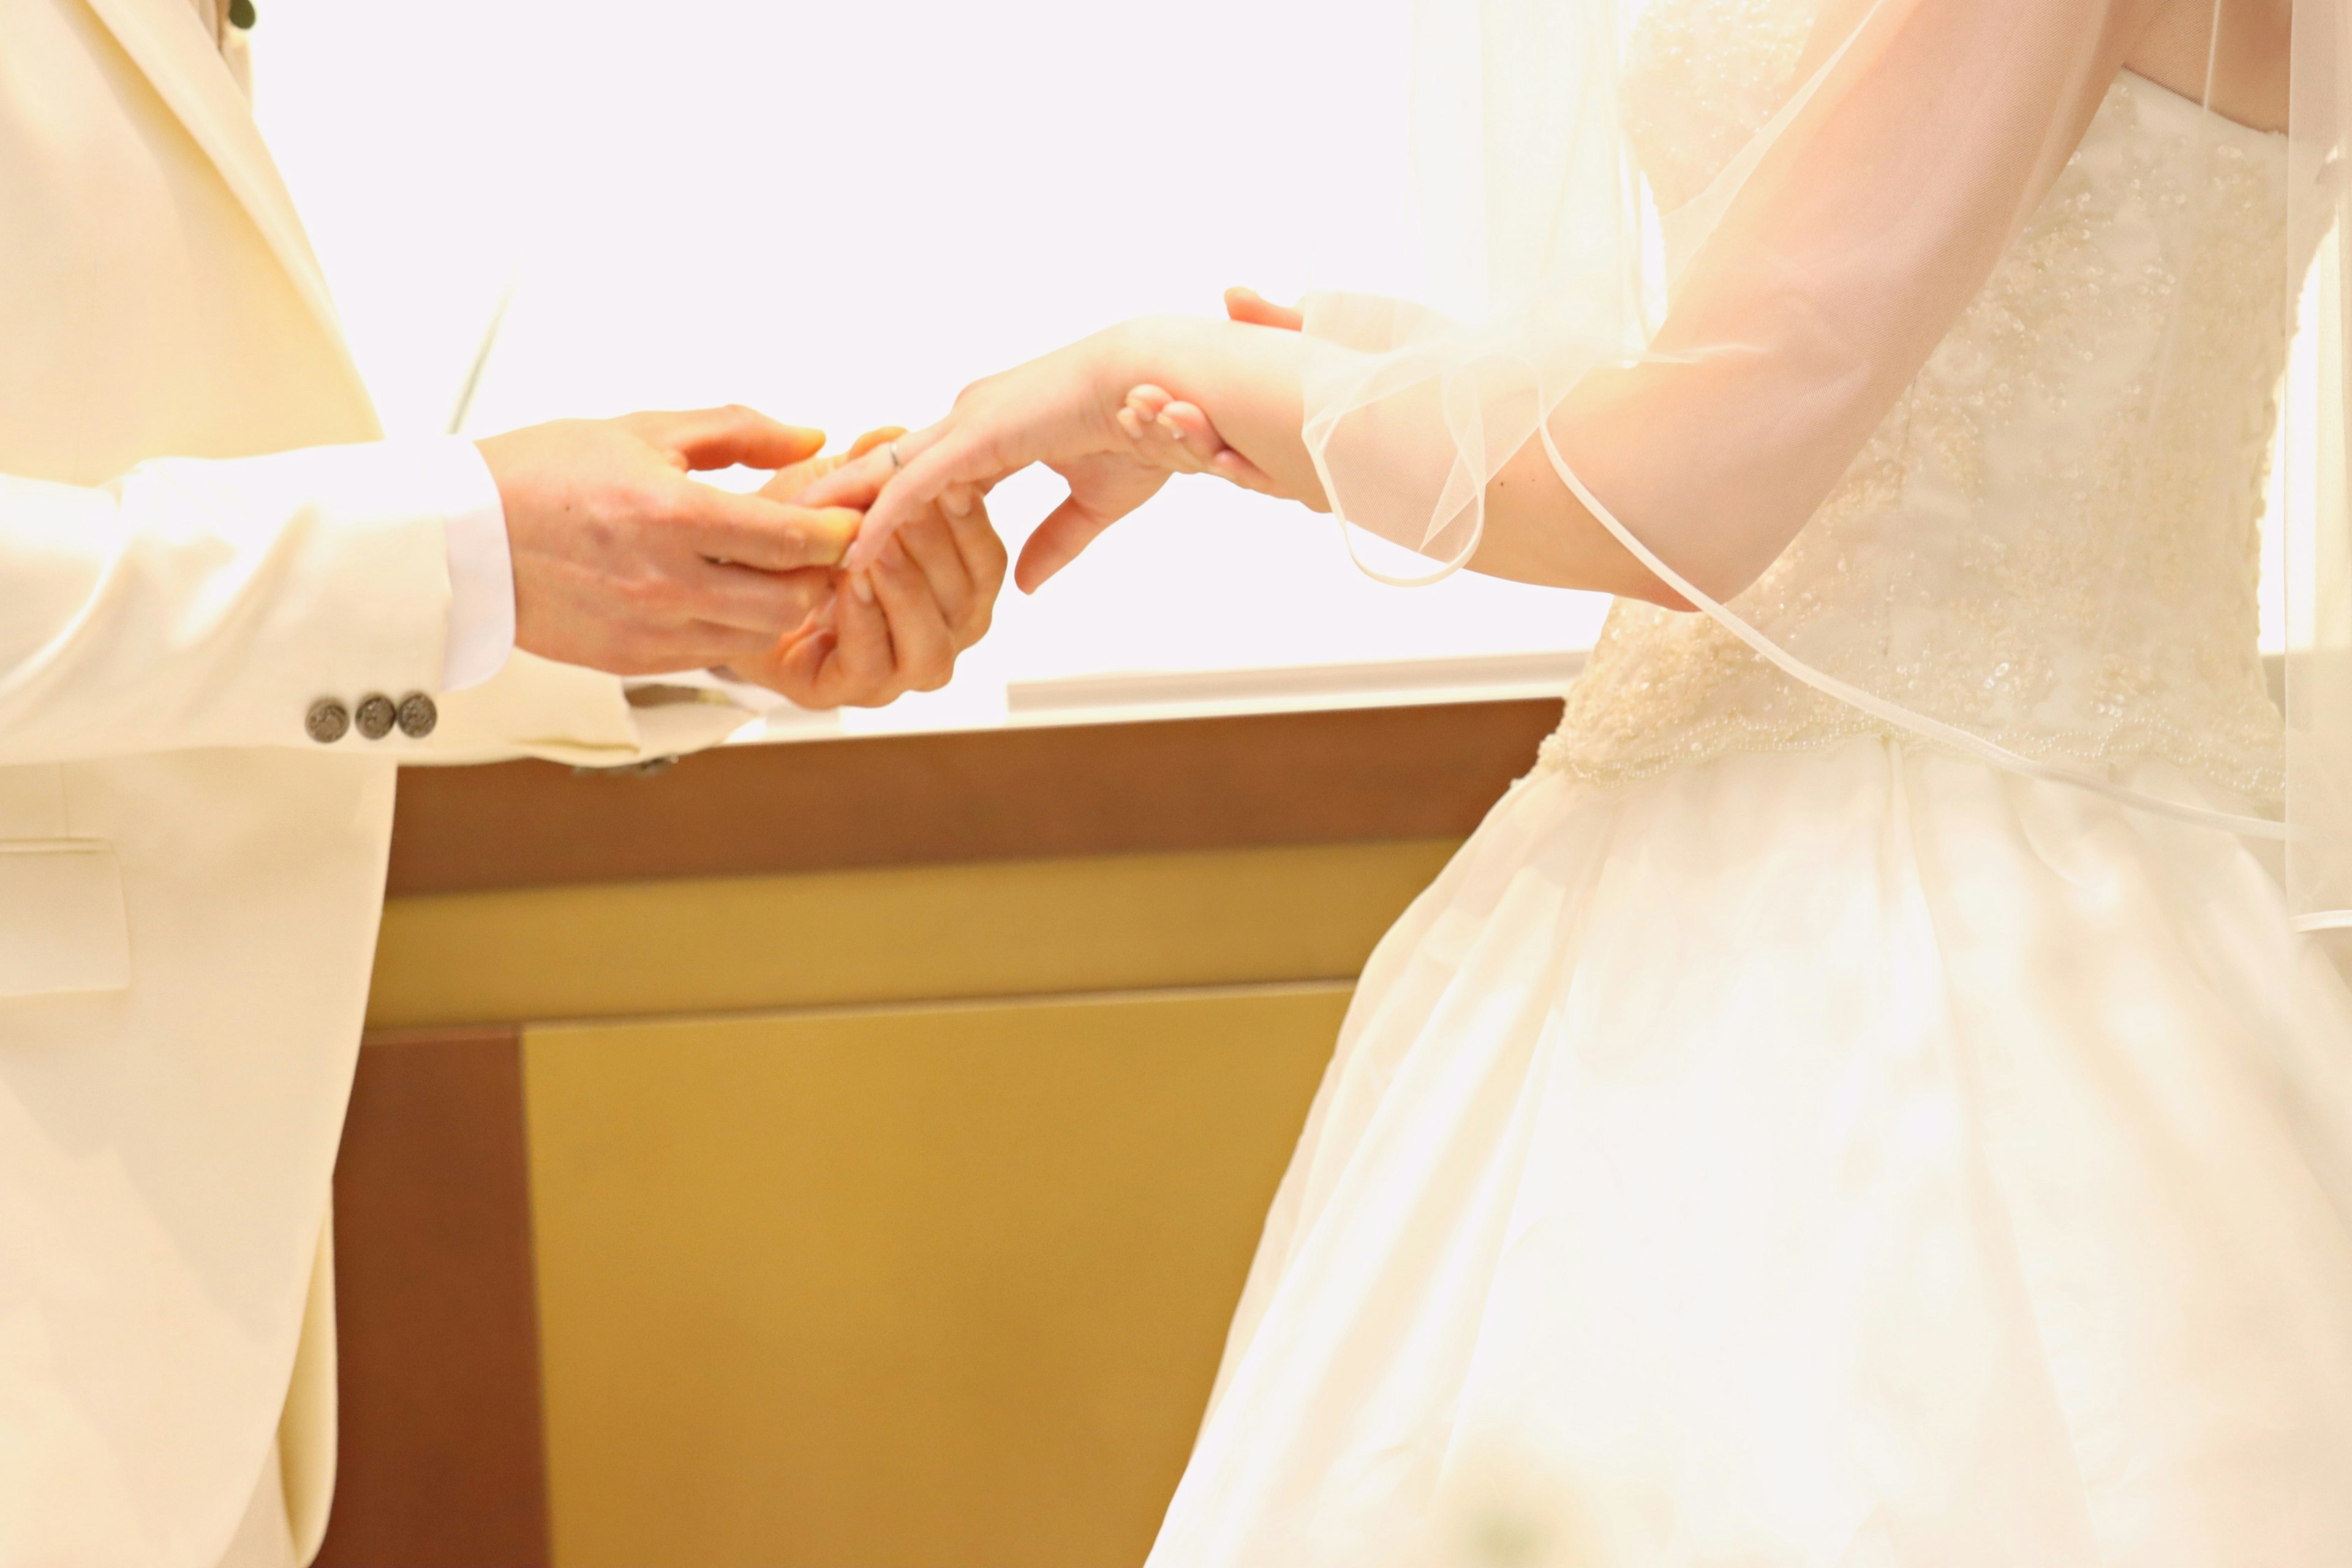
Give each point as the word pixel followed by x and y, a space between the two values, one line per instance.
pixel 895 627
pixel 1061 411
pixel 1096 414
pixel 1169 433
pixel 1180 436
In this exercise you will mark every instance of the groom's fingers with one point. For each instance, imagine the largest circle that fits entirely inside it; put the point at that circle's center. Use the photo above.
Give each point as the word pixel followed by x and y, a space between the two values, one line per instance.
pixel 934 549
pixel 849 481
pixel 722 437
pixel 754 531
pixel 768 603
pixel 922 652
pixel 716 644
pixel 878 437
pixel 787 484
pixel 801 673
pixel 792 483
pixel 857 669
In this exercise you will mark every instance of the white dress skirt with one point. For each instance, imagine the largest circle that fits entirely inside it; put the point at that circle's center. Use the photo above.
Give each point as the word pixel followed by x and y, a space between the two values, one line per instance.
pixel 1845 1159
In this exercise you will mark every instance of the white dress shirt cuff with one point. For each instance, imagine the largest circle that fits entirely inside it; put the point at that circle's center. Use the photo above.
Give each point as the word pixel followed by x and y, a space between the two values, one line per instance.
pixel 481 571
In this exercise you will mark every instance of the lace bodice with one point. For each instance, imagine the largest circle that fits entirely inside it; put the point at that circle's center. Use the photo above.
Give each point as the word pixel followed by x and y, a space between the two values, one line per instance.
pixel 2035 545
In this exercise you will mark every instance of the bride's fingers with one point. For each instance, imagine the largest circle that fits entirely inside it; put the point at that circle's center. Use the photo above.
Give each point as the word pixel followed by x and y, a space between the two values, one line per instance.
pixel 1231 465
pixel 984 560
pixel 1167 433
pixel 857 476
pixel 1061 539
pixel 1159 443
pixel 1248 305
pixel 957 459
pixel 1176 434
pixel 1188 424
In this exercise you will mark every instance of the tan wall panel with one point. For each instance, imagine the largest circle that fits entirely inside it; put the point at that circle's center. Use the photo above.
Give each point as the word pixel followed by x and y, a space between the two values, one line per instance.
pixel 923 1287
pixel 1022 928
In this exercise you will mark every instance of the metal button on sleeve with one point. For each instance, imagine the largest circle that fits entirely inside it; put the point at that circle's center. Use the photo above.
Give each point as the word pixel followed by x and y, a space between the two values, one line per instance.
pixel 326 721
pixel 418 715
pixel 375 716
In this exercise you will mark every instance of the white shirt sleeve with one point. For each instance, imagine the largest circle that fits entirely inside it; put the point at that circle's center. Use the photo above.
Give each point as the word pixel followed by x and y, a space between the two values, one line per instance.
pixel 481 573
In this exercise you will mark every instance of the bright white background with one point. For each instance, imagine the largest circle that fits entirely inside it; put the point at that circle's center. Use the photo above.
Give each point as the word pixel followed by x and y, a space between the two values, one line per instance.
pixel 841 212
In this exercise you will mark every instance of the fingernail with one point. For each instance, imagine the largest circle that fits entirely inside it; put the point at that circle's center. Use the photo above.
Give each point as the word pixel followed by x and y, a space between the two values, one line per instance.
pixel 1132 421
pixel 1174 431
pixel 862 586
pixel 956 503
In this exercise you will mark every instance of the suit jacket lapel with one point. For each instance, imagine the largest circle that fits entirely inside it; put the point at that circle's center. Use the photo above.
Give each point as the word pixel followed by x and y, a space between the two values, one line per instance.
pixel 165 40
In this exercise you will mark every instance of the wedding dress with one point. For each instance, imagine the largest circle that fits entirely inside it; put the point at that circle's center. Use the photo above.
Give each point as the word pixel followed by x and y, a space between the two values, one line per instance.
pixel 1778 1141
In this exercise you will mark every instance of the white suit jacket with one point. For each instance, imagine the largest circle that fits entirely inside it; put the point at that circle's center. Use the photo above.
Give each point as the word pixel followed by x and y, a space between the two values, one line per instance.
pixel 189 883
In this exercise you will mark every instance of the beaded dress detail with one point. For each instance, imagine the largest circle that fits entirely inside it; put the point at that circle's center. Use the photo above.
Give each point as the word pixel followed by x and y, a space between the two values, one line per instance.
pixel 2053 540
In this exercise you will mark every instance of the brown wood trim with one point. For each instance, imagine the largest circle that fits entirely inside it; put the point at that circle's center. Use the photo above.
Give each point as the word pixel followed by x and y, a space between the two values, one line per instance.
pixel 1205 784
pixel 443 1455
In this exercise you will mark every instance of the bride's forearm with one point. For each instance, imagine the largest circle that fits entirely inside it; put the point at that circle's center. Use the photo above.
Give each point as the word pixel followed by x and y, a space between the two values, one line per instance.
pixel 1538 531
pixel 1248 379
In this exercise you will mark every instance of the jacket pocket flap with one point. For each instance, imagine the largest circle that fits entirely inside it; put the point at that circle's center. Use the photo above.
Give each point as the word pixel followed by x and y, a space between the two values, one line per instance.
pixel 61 922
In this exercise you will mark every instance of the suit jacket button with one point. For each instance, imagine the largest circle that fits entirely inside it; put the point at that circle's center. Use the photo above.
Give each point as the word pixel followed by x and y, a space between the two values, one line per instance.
pixel 418 715
pixel 326 721
pixel 375 716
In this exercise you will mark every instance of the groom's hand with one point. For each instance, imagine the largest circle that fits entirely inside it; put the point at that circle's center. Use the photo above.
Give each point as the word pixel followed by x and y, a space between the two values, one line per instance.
pixel 623 563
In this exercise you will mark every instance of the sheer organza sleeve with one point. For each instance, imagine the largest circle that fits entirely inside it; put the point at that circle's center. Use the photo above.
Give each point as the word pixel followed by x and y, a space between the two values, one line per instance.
pixel 1836 270
pixel 1803 288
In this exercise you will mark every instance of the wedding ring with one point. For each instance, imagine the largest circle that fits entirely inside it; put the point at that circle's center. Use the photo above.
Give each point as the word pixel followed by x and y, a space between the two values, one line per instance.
pixel 896 462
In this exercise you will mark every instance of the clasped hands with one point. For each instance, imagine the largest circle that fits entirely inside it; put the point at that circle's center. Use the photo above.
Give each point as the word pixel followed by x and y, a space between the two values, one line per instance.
pixel 625 563
pixel 845 580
